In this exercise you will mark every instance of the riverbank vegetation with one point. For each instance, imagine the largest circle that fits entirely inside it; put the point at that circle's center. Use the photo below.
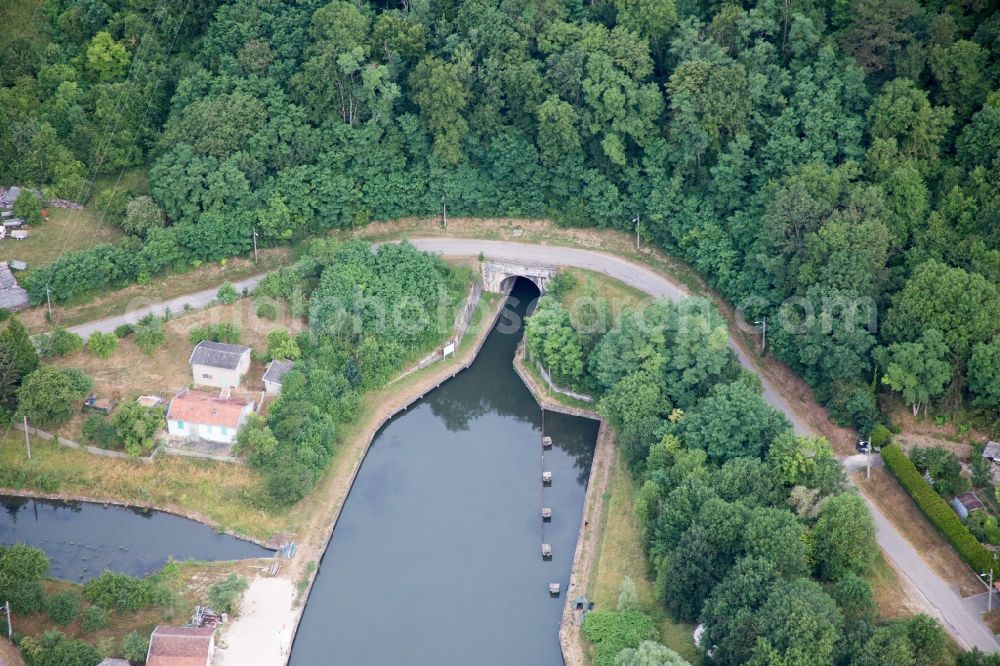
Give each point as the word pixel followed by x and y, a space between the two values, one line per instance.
pixel 57 623
pixel 369 314
pixel 747 528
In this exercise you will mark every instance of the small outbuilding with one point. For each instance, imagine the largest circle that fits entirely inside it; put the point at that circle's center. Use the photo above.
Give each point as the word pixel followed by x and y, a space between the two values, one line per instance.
pixel 111 661
pixel 992 452
pixel 219 364
pixel 13 297
pixel 966 503
pixel 276 371
pixel 9 196
pixel 181 646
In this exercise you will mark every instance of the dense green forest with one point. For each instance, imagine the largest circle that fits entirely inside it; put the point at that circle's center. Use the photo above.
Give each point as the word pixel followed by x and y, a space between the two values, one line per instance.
pixel 829 164
pixel 748 529
pixel 370 313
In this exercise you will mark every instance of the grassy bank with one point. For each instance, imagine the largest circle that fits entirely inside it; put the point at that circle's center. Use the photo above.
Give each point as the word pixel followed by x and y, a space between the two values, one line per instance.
pixel 621 555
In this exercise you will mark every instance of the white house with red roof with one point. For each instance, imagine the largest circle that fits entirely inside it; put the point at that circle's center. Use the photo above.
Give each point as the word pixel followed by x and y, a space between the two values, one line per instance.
pixel 214 417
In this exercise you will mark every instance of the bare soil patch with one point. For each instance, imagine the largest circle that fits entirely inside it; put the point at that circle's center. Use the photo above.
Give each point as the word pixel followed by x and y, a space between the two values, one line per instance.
pixel 9 655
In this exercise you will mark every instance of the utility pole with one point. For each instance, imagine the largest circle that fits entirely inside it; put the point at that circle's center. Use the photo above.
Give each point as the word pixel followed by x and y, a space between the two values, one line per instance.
pixel 10 629
pixel 636 220
pixel 989 599
pixel 763 333
pixel 255 245
pixel 48 297
pixel 27 440
pixel 444 213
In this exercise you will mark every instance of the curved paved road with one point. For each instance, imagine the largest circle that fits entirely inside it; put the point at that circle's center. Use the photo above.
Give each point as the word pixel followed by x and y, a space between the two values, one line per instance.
pixel 967 629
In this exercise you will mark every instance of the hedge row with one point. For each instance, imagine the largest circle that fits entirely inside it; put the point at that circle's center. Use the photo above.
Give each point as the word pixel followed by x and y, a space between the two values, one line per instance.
pixel 937 510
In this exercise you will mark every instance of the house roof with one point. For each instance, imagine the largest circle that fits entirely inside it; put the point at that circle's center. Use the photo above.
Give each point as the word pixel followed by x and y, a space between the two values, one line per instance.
pixel 10 195
pixel 991 450
pixel 217 354
pixel 206 409
pixel 111 661
pixel 12 295
pixel 276 370
pixel 970 501
pixel 179 646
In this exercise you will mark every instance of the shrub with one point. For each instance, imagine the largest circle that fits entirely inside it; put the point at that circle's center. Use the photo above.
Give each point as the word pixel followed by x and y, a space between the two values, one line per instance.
pixel 136 427
pixel 881 436
pixel 93 618
pixel 149 334
pixel 21 562
pixel 53 648
pixel 944 468
pixel 25 596
pixel 62 607
pixel 227 294
pixel 937 510
pixel 216 333
pixel 112 202
pixel 98 431
pixel 124 330
pixel 59 342
pixel 613 631
pixel 223 593
pixel 281 345
pixel 117 591
pixel 134 646
pixel 102 345
pixel 142 215
pixel 49 395
pixel 267 311
pixel 29 208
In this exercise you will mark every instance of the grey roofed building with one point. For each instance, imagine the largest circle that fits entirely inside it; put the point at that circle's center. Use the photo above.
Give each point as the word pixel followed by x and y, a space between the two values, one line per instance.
pixel 13 297
pixel 111 661
pixel 276 371
pixel 217 354
pixel 992 451
pixel 8 197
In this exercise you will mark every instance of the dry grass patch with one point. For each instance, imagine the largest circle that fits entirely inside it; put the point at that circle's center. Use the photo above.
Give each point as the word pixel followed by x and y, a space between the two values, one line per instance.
pixel 66 230
pixel 129 372
pixel 221 494
pixel 912 524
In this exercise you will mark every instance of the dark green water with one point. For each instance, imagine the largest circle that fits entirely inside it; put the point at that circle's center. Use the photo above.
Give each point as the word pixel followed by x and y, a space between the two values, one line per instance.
pixel 81 539
pixel 436 558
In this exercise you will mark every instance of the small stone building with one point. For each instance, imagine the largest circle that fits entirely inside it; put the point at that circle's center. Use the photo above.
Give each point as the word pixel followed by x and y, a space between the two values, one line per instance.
pixel 276 371
pixel 219 364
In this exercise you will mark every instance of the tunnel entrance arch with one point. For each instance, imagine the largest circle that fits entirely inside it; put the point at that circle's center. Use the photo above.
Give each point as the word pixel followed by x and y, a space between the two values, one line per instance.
pixel 499 276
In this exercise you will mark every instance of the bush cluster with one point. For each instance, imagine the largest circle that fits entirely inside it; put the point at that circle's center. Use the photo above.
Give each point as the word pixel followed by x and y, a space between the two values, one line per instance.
pixel 937 510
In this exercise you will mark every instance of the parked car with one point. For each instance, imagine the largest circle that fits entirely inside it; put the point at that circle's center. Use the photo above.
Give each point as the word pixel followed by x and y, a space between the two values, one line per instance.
pixel 863 446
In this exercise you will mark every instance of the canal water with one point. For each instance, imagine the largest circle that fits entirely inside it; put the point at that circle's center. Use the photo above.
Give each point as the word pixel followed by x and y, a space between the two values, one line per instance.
pixel 436 558
pixel 82 539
